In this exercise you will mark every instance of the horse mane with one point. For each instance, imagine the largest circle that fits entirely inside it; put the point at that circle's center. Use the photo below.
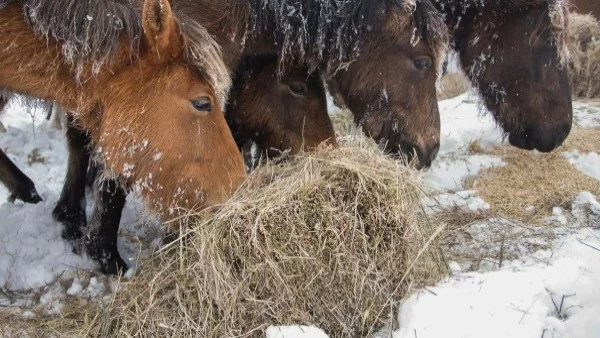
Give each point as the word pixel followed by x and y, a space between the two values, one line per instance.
pixel 92 31
pixel 313 30
pixel 460 11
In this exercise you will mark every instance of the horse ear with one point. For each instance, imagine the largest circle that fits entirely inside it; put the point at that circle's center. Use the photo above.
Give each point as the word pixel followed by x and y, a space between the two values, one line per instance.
pixel 161 29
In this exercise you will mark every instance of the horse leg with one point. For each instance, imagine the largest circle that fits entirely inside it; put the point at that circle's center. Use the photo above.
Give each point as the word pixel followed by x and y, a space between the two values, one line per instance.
pixel 57 117
pixel 19 185
pixel 101 243
pixel 3 102
pixel 70 208
pixel 92 173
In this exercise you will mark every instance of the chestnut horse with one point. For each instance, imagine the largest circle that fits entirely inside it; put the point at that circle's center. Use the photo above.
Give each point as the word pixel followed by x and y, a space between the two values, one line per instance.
pixel 382 55
pixel 277 111
pixel 144 86
pixel 514 52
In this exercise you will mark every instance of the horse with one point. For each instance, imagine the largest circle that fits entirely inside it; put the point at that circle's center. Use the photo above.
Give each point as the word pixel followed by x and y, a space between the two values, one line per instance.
pixel 397 108
pixel 355 44
pixel 591 7
pixel 276 111
pixel 381 56
pixel 515 54
pixel 145 84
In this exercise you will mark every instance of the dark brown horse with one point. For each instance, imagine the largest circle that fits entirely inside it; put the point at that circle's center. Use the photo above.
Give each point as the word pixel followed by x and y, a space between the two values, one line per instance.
pixel 146 89
pixel 586 7
pixel 278 111
pixel 514 52
pixel 381 54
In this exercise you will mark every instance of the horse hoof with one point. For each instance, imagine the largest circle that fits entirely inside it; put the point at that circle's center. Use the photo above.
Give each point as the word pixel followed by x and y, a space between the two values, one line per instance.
pixel 71 234
pixel 110 262
pixel 27 194
pixel 73 221
pixel 107 257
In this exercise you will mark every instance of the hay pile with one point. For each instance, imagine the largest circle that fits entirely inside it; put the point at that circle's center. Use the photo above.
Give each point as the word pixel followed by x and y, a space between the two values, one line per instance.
pixel 451 85
pixel 550 180
pixel 332 239
pixel 343 123
pixel 584 44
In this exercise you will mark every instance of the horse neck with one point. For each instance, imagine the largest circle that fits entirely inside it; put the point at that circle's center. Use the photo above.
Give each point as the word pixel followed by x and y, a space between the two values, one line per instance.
pixel 35 66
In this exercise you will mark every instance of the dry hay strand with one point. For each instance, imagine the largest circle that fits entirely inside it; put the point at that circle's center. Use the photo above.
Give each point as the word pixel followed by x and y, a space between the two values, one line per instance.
pixel 452 85
pixel 584 66
pixel 542 180
pixel 343 123
pixel 333 239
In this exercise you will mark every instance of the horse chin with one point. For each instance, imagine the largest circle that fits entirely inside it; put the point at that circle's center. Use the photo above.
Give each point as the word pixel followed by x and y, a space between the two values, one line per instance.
pixel 541 139
pixel 420 157
pixel 400 144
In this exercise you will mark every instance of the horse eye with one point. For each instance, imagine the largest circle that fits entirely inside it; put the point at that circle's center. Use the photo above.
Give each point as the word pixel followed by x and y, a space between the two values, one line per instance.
pixel 298 88
pixel 202 104
pixel 423 63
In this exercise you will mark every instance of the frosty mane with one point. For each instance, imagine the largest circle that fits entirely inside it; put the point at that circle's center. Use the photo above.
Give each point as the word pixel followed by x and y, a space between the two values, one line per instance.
pixel 92 31
pixel 459 13
pixel 332 30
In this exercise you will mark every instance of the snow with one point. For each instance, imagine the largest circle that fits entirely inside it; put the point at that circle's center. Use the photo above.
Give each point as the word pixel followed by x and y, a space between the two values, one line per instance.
pixel 294 331
pixel 517 297
pixel 465 200
pixel 515 301
pixel 32 252
pixel 586 114
pixel 464 120
pixel 33 255
pixel 588 163
pixel 462 123
pixel 451 174
pixel 506 276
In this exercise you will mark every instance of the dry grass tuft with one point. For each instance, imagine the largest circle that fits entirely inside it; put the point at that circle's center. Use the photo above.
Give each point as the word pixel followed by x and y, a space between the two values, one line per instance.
pixel 332 239
pixel 452 85
pixel 584 67
pixel 550 180
pixel 343 123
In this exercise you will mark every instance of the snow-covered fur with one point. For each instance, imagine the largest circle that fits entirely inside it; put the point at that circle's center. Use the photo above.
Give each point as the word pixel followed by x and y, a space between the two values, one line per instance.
pixel 93 30
pixel 515 53
pixel 333 30
pixel 459 12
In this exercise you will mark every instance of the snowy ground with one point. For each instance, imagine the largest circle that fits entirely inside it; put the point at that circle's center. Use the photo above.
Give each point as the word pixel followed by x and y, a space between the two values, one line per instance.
pixel 32 253
pixel 544 288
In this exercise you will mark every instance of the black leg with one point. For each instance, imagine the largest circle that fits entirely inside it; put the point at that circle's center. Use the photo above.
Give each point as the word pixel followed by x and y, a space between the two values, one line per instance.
pixel 92 173
pixel 70 209
pixel 18 184
pixel 101 243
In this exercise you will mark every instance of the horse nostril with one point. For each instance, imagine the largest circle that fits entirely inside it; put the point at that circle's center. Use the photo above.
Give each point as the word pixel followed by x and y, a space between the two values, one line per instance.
pixel 548 139
pixel 426 154
pixel 522 139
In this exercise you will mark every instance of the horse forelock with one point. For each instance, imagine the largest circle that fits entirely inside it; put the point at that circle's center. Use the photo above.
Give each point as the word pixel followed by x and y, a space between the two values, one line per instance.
pixel 430 25
pixel 557 12
pixel 559 16
pixel 329 32
pixel 203 52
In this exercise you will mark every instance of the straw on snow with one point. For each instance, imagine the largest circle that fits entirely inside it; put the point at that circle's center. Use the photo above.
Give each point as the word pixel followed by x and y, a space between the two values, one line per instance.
pixel 332 239
pixel 584 66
